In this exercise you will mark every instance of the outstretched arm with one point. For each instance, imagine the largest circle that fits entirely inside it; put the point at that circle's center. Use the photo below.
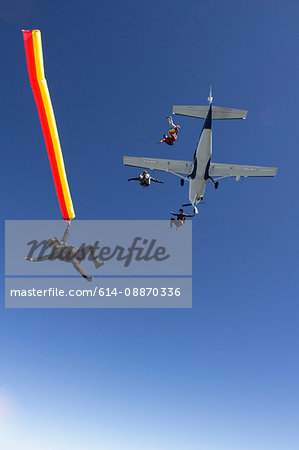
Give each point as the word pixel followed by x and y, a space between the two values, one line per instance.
pixel 133 179
pixel 67 232
pixel 156 181
pixel 189 215
pixel 174 214
pixel 41 258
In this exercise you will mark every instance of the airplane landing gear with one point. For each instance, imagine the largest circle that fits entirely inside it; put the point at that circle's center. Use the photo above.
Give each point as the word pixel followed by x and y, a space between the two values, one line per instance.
pixel 216 183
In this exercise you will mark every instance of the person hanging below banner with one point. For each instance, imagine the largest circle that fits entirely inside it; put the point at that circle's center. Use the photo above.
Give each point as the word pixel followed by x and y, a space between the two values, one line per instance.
pixel 67 253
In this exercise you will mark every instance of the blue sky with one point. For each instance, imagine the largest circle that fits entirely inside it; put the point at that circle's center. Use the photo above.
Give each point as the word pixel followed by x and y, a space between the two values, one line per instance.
pixel 223 375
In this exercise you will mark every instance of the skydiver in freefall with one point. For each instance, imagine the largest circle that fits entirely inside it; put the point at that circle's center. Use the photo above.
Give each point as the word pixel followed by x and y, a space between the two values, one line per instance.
pixel 69 254
pixel 145 179
pixel 180 219
pixel 173 133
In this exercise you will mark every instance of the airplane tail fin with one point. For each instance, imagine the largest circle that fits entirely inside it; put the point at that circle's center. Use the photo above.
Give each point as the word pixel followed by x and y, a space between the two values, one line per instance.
pixel 217 112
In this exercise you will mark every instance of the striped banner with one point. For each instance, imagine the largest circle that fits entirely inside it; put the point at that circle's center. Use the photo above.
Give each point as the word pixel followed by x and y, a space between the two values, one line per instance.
pixel 35 65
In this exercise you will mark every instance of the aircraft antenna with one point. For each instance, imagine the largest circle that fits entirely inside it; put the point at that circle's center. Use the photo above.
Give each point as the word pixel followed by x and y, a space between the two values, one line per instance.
pixel 210 98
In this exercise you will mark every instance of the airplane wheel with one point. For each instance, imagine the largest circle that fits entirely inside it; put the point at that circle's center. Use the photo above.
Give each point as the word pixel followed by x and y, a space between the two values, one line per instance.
pixel 182 182
pixel 216 185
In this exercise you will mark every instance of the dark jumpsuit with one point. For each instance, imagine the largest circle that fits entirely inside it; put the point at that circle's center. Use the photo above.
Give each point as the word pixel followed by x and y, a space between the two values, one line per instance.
pixel 144 180
pixel 69 254
pixel 180 219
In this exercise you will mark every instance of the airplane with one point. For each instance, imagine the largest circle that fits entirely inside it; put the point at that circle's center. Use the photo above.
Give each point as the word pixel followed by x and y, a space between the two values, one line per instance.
pixel 202 170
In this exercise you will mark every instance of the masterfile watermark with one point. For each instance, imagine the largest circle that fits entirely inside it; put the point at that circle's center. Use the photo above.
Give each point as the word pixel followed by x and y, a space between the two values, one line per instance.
pixel 129 264
pixel 97 248
pixel 104 293
pixel 140 250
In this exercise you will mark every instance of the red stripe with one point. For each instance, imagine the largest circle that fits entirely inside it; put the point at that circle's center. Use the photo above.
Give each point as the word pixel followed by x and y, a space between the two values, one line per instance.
pixel 29 50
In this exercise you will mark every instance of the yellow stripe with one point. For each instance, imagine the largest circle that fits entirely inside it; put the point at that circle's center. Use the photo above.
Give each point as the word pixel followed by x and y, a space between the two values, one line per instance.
pixel 38 55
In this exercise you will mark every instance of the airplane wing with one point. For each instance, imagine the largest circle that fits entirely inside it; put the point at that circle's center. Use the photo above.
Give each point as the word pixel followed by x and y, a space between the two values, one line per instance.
pixel 201 112
pixel 235 170
pixel 165 165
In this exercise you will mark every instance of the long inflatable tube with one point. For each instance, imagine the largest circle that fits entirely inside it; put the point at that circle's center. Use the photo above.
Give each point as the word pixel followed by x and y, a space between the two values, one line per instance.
pixel 35 65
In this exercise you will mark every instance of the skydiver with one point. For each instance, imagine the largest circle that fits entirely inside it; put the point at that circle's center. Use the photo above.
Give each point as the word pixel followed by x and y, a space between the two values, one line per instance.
pixel 69 254
pixel 180 219
pixel 173 133
pixel 145 179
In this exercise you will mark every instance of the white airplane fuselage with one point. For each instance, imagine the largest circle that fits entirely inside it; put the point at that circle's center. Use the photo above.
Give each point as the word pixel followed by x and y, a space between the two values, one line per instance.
pixel 201 168
pixel 201 162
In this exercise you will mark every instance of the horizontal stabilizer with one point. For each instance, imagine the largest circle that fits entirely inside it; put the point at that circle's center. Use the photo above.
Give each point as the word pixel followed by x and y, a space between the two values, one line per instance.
pixel 166 165
pixel 217 112
pixel 235 170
